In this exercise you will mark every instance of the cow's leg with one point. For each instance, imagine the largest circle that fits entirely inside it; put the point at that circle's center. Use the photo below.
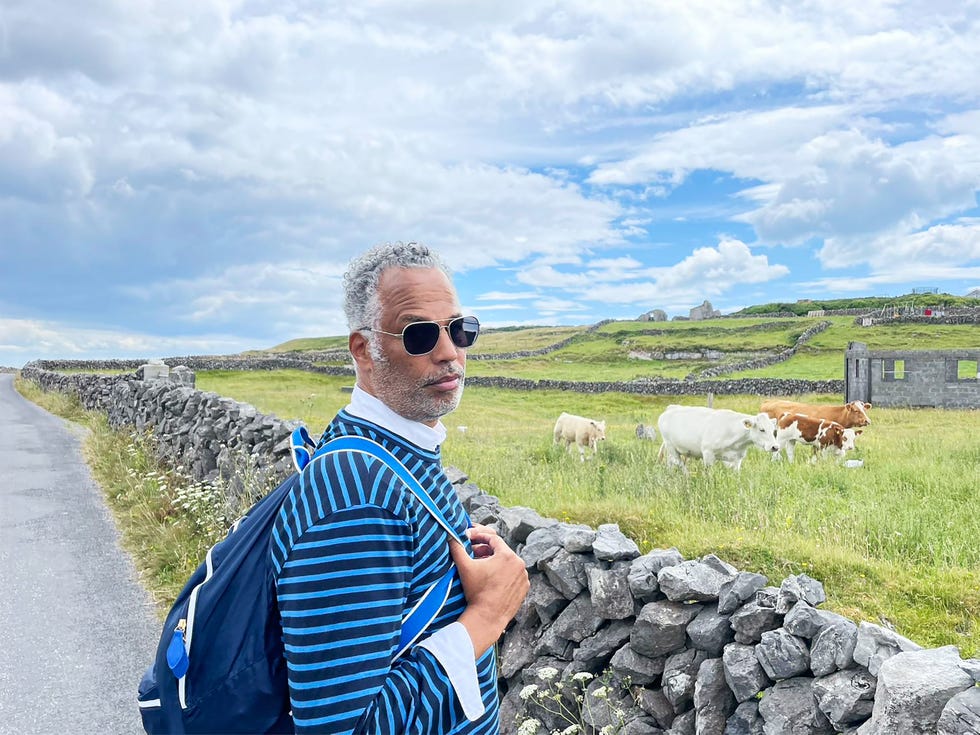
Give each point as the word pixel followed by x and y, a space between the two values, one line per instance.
pixel 708 456
pixel 581 453
pixel 790 451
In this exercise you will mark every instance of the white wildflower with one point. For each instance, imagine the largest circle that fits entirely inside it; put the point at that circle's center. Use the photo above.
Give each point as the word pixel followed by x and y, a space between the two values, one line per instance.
pixel 582 677
pixel 547 673
pixel 529 727
pixel 529 691
pixel 601 693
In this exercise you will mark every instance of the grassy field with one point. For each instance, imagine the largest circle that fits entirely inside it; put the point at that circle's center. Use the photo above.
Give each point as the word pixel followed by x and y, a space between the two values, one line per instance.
pixel 895 541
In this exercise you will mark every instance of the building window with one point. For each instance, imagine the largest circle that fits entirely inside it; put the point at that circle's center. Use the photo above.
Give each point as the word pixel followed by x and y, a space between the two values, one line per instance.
pixel 967 369
pixel 892 369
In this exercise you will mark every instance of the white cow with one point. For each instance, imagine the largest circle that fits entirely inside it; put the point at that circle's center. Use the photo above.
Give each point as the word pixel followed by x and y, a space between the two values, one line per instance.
pixel 584 432
pixel 713 434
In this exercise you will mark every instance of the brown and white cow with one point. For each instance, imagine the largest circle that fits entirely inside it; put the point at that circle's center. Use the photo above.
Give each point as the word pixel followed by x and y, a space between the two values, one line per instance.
pixel 848 415
pixel 826 437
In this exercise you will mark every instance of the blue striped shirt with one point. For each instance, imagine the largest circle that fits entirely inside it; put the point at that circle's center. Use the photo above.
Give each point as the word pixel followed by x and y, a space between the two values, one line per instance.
pixel 353 551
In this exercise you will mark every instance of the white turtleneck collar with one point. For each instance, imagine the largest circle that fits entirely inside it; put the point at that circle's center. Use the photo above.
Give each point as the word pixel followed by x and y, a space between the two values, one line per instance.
pixel 366 406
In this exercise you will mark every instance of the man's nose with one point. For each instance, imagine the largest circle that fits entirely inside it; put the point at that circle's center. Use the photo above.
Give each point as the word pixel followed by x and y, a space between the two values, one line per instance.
pixel 445 348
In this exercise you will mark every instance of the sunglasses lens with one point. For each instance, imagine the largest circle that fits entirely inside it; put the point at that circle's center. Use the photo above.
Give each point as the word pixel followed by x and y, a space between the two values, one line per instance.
pixel 420 337
pixel 464 330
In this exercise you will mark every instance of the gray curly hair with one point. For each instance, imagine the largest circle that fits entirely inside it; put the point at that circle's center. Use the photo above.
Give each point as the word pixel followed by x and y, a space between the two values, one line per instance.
pixel 361 304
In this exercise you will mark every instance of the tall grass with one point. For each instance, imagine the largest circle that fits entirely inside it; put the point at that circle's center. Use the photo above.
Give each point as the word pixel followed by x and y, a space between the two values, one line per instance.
pixel 166 520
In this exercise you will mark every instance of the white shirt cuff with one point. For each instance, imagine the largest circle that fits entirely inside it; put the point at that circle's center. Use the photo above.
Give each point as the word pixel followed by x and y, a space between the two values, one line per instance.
pixel 453 650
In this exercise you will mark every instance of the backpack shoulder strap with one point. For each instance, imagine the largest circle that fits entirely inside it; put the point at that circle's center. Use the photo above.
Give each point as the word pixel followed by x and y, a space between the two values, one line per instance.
pixel 367 446
pixel 427 608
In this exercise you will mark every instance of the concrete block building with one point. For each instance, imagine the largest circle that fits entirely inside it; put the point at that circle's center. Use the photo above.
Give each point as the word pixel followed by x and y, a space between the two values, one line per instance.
pixel 914 378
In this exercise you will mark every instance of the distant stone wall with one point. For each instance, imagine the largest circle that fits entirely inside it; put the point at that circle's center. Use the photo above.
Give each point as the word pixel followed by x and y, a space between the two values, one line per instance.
pixel 675 646
pixel 762 362
pixel 207 435
pixel 664 387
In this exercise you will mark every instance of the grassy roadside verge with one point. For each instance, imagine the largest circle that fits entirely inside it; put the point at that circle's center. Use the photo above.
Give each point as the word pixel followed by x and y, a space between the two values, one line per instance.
pixel 146 498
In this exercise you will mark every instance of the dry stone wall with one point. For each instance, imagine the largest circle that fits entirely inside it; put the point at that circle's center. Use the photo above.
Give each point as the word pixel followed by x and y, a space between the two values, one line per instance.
pixel 654 644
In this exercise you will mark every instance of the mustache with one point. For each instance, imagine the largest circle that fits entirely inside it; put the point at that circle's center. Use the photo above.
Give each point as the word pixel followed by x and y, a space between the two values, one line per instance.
pixel 453 371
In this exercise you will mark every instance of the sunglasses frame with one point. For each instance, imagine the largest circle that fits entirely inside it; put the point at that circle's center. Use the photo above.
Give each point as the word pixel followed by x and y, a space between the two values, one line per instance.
pixel 448 323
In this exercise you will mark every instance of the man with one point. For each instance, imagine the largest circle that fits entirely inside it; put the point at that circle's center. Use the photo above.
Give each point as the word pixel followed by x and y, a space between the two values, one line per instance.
pixel 353 550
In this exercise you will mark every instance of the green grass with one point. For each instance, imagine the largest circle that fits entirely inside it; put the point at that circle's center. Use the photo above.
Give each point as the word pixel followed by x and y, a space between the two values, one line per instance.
pixel 896 540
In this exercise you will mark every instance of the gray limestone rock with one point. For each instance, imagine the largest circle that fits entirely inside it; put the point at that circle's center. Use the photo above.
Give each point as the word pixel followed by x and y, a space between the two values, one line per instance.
pixel 661 628
pixel 790 708
pixel 697 580
pixel 566 572
pixel 578 621
pixel 806 621
pixel 680 675
pixel 518 522
pixel 782 655
pixel 684 724
pixel 875 645
pixel 735 592
pixel 612 545
pixel 644 569
pixel 845 697
pixel 743 672
pixel 639 670
pixel 713 700
pixel 833 648
pixel 913 689
pixel 540 545
pixel 752 620
pixel 610 592
pixel 597 649
pixel 961 715
pixel 800 587
pixel 655 704
pixel 576 538
pixel 745 721
pixel 710 631
pixel 543 600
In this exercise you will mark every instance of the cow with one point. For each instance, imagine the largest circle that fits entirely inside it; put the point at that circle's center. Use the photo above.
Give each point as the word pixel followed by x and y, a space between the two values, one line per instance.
pixel 826 437
pixel 713 434
pixel 848 415
pixel 584 432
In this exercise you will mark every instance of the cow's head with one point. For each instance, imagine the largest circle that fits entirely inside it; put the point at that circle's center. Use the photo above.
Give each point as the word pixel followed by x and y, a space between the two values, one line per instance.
pixel 599 430
pixel 762 431
pixel 847 440
pixel 857 413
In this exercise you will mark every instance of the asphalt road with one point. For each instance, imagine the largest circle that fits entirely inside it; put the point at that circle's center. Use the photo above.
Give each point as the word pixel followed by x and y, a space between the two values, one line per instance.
pixel 76 628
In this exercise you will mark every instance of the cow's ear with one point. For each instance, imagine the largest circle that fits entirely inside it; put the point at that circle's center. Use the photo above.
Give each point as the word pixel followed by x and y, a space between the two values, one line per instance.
pixel 747 423
pixel 867 405
pixel 858 431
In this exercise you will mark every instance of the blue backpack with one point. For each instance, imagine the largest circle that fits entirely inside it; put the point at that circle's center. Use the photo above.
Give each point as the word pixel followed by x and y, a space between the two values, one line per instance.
pixel 220 665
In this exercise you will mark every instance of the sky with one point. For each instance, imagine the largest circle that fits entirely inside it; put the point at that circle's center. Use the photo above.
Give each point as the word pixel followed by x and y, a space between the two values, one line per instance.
pixel 191 177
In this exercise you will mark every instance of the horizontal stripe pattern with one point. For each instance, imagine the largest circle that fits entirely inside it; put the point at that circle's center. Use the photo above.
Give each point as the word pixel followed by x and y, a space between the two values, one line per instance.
pixel 353 551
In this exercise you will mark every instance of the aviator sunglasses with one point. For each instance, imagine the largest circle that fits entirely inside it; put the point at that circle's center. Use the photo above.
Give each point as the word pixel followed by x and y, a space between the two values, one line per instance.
pixel 420 338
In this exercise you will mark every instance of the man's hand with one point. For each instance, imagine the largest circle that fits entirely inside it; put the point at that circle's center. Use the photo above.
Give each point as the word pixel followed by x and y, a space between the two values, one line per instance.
pixel 495 583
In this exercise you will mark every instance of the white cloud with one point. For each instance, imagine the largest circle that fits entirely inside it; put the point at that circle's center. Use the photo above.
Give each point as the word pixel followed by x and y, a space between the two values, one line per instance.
pixel 22 340
pixel 506 296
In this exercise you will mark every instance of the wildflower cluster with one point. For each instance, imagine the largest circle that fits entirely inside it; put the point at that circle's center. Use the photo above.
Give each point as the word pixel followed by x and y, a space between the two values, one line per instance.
pixel 577 705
